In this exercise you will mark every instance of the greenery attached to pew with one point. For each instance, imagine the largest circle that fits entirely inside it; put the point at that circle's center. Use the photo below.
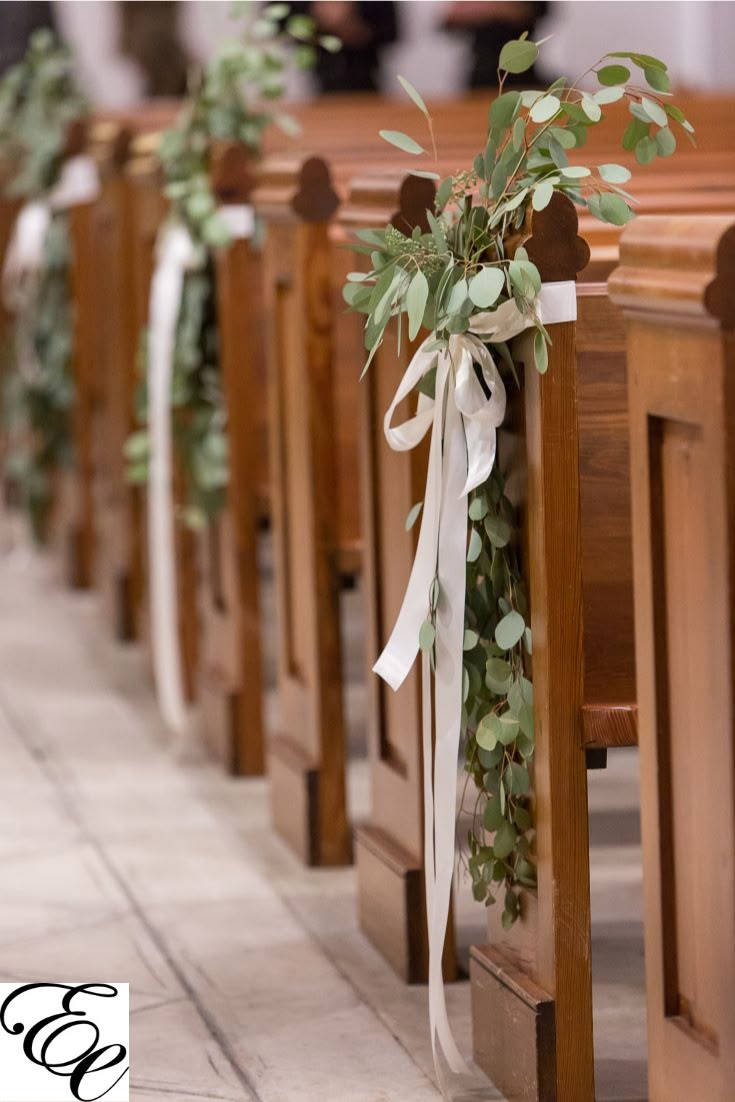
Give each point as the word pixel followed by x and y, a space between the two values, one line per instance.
pixel 39 105
pixel 473 260
pixel 230 102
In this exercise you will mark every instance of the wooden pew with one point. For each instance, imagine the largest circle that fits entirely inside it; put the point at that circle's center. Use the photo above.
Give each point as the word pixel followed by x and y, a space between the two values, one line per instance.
pixel 116 320
pixel 531 986
pixel 230 678
pixel 307 758
pixel 624 718
pixel 108 304
pixel 676 286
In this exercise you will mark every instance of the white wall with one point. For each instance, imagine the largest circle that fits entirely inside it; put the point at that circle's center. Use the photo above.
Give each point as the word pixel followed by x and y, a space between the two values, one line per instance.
pixel 696 37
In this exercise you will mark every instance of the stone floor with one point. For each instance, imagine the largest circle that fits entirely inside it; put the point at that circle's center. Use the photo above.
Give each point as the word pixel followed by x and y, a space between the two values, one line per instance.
pixel 125 858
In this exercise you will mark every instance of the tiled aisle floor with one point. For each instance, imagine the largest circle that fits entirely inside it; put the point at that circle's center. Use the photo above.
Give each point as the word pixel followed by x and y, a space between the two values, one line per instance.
pixel 122 858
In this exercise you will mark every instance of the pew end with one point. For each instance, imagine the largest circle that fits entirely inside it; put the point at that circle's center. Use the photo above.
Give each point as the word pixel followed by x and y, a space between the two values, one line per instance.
pixel 675 287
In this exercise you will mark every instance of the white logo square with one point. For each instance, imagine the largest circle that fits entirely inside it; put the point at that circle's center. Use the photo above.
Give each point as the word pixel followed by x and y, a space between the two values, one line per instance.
pixel 61 1042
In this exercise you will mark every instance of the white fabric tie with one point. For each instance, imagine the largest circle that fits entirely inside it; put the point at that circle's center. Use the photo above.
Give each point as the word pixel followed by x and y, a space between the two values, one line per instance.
pixel 176 253
pixel 78 183
pixel 463 423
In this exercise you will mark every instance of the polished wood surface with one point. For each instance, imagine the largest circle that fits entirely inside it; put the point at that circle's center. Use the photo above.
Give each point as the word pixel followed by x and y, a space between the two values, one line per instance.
pixel 230 676
pixel 307 759
pixel 675 285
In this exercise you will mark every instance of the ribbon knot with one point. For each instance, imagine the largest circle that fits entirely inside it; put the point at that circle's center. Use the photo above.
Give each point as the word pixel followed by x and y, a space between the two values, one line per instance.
pixel 464 415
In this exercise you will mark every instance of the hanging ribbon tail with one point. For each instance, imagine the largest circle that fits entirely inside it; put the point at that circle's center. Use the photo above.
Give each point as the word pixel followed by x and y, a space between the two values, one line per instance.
pixel 24 254
pixel 464 418
pixel 175 253
pixel 400 653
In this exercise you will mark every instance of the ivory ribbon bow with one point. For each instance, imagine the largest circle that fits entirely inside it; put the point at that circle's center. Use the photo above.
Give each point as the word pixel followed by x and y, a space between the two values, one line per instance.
pixel 78 183
pixel 463 423
pixel 176 253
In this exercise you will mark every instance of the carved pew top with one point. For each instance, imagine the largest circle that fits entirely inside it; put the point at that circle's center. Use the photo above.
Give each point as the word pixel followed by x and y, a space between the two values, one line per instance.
pixel 683 265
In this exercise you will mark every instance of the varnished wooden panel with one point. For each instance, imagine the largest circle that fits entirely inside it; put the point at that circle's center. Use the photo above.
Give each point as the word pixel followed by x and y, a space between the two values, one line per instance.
pixel 675 284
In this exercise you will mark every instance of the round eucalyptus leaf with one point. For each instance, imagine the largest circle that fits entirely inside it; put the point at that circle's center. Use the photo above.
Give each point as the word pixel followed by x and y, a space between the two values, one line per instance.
pixel 484 289
pixel 613 74
pixel 665 141
pixel 518 56
pixel 654 111
pixel 545 109
pixel 542 195
pixel 614 174
pixel 509 630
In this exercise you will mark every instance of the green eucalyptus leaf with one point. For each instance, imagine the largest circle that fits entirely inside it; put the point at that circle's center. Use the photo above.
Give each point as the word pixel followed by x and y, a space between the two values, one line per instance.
pixel 654 111
pixel 457 296
pixel 427 635
pixel 498 674
pixel 416 298
pixel 504 840
pixel 492 816
pixel 615 209
pixel 656 78
pixel 591 108
pixel 475 546
pixel 609 95
pixel 478 508
pixel 510 630
pixel 635 130
pixel 575 172
pixel 488 733
pixel 613 74
pixel 414 95
pixel 498 530
pixel 540 352
pixel 545 109
pixel 646 151
pixel 665 140
pixel 401 141
pixel 614 174
pixel 503 110
pixel 330 43
pixel 443 192
pixel 518 56
pixel 542 195
pixel 485 287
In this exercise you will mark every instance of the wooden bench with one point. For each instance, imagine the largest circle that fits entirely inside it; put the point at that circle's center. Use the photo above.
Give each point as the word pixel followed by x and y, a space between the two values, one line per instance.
pixel 230 675
pixel 676 286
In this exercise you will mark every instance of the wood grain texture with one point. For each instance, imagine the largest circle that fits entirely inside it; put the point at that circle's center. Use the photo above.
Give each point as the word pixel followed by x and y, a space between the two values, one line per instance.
pixel 675 285
pixel 117 563
pixel 230 675
pixel 309 756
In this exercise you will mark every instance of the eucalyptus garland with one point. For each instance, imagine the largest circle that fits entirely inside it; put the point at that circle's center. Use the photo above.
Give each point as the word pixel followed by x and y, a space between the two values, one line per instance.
pixel 470 261
pixel 39 103
pixel 231 101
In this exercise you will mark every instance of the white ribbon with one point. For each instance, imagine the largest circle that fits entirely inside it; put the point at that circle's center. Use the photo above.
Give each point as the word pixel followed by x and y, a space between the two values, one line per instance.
pixel 176 253
pixel 78 183
pixel 463 423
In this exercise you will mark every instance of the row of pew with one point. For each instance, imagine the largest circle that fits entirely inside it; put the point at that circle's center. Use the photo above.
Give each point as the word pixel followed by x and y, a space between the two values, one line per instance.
pixel 639 383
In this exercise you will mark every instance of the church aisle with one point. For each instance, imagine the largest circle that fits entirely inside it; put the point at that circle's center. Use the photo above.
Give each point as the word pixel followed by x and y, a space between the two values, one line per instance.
pixel 125 859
